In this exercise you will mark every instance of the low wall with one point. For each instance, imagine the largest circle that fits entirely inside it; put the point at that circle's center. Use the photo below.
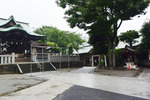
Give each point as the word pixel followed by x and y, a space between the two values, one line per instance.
pixel 143 63
pixel 26 67
pixel 65 64
pixel 8 69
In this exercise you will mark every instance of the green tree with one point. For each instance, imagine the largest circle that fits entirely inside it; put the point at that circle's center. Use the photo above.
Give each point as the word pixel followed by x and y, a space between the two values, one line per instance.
pixel 86 13
pixel 145 30
pixel 144 47
pixel 129 37
pixel 100 38
pixel 143 51
pixel 119 59
pixel 70 47
pixel 54 47
pixel 61 38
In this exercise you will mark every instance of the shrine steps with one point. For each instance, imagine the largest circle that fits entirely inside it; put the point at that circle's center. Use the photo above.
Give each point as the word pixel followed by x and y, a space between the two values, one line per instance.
pixel 25 67
pixel 22 59
pixel 28 67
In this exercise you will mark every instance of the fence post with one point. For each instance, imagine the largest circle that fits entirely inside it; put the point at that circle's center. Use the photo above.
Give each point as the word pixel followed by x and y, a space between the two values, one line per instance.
pixel 60 60
pixel 68 58
pixel 2 61
pixel 13 58
pixel 48 57
pixel 5 59
pixel 9 59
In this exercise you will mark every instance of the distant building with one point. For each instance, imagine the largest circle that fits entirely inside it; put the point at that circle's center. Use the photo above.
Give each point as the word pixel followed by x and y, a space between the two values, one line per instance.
pixel 87 57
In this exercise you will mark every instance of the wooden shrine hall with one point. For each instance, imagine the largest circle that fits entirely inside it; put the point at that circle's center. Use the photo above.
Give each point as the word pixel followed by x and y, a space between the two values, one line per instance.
pixel 16 37
pixel 19 53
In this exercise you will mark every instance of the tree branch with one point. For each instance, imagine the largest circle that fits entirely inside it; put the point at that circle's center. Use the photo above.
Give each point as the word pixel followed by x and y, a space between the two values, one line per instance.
pixel 119 24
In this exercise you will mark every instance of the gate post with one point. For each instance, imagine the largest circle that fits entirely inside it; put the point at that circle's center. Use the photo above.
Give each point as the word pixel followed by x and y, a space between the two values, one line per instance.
pixel 13 58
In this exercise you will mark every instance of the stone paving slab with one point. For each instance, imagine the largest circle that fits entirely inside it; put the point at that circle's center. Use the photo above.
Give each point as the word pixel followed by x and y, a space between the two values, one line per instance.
pixel 45 91
pixel 77 92
pixel 14 82
pixel 84 70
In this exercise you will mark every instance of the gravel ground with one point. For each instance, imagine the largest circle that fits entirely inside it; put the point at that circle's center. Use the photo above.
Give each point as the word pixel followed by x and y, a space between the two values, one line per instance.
pixel 14 82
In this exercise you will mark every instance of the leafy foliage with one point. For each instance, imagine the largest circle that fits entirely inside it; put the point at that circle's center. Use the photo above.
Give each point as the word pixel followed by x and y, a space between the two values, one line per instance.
pixel 143 51
pixel 146 33
pixel 81 13
pixel 119 58
pixel 55 48
pixel 90 14
pixel 129 37
pixel 100 35
pixel 54 36
pixel 70 47
pixel 144 47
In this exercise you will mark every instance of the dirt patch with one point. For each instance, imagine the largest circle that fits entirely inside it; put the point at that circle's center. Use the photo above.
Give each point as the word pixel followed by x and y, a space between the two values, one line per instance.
pixel 120 73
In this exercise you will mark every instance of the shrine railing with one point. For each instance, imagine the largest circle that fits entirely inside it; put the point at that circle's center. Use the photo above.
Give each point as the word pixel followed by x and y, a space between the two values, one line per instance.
pixel 7 59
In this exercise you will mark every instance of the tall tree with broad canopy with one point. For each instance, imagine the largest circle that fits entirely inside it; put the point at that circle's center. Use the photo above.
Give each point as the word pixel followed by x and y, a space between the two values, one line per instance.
pixel 129 37
pixel 101 38
pixel 87 13
pixel 144 48
pixel 60 38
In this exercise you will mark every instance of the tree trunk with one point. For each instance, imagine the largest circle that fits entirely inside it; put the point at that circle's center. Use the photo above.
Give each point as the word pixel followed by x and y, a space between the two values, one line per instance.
pixel 130 44
pixel 114 58
pixel 109 55
pixel 114 46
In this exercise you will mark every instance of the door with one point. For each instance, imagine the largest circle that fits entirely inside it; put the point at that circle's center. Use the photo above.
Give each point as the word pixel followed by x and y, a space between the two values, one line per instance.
pixel 96 60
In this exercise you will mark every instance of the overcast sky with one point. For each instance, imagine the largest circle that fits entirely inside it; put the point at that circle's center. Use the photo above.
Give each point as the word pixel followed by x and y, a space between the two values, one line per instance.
pixel 46 12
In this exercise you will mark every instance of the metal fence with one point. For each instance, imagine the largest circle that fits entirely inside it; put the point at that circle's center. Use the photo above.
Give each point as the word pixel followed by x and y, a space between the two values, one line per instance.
pixel 41 57
pixel 51 57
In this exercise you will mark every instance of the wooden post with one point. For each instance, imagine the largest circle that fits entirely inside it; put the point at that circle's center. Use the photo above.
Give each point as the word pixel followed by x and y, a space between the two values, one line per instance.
pixel 105 60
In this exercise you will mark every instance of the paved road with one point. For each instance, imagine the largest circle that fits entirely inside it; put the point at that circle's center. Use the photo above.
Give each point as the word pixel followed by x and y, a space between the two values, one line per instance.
pixel 83 93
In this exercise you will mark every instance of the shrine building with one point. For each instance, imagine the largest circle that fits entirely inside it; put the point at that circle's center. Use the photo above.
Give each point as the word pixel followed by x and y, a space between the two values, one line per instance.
pixel 16 37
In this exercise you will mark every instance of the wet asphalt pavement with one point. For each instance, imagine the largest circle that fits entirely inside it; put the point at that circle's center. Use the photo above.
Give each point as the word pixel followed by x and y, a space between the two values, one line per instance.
pixel 77 84
pixel 77 92
pixel 84 70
